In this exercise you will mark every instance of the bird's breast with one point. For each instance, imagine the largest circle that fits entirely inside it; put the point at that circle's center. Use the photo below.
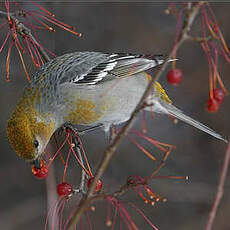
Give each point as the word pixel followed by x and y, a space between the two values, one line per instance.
pixel 85 111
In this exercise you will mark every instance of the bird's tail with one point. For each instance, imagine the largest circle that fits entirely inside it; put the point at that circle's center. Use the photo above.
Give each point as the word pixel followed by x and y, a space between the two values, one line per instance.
pixel 163 107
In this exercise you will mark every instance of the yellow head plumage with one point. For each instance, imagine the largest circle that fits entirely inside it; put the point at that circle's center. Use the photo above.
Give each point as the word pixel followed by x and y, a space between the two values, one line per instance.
pixel 24 127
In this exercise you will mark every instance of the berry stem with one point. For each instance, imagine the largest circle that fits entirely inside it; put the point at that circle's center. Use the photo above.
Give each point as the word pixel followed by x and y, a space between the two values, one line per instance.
pixel 7 36
pixel 143 215
pixel 144 129
pixel 66 165
pixel 218 77
pixel 78 160
pixel 86 159
pixel 88 221
pixel 8 61
pixel 215 64
pixel 178 26
pixel 60 154
pixel 43 9
pixel 147 153
pixel 23 63
pixel 57 152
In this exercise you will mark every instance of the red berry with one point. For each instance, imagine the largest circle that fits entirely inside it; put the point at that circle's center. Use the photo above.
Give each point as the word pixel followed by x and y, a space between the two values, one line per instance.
pixel 174 76
pixel 40 173
pixel 64 189
pixel 213 105
pixel 219 95
pixel 98 186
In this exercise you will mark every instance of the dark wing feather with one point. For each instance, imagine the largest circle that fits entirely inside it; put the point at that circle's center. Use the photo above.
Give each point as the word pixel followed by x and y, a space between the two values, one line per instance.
pixel 119 65
pixel 92 68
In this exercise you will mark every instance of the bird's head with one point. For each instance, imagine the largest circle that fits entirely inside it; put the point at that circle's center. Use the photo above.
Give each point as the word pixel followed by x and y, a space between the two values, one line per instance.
pixel 29 132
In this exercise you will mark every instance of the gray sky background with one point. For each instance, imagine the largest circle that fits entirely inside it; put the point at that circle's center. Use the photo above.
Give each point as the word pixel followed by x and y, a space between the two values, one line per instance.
pixel 135 27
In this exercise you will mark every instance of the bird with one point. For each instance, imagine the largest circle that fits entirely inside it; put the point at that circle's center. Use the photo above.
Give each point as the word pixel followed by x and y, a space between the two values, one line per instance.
pixel 89 89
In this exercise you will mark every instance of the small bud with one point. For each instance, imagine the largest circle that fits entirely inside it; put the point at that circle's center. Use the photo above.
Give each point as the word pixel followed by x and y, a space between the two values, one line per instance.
pixel 108 223
pixel 146 201
pixel 175 121
pixel 167 11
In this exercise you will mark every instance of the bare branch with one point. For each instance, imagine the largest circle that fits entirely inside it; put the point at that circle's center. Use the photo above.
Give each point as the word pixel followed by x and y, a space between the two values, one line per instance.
pixel 51 193
pixel 109 152
pixel 198 39
pixel 24 30
pixel 220 190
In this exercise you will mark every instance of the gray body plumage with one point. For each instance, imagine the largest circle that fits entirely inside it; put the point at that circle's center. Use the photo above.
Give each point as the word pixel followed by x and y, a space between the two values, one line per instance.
pixel 88 75
pixel 114 83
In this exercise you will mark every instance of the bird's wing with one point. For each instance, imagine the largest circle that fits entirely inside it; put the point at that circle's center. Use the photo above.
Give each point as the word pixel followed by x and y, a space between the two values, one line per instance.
pixel 91 68
pixel 116 66
pixel 88 68
pixel 70 67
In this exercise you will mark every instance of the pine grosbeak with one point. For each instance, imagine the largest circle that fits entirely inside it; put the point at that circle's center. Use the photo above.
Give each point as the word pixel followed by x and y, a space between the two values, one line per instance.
pixel 85 88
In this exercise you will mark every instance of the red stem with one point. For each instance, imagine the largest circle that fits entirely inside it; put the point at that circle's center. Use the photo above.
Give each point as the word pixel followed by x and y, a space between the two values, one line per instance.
pixel 143 215
pixel 7 36
pixel 78 160
pixel 88 221
pixel 66 165
pixel 220 190
pixel 86 159
pixel 57 152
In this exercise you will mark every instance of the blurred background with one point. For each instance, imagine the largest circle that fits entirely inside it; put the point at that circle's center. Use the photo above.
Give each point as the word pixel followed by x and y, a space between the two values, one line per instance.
pixel 131 28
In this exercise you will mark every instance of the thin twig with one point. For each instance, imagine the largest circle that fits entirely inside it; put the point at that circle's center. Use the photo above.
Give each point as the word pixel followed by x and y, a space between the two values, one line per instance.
pixel 109 152
pixel 199 39
pixel 51 190
pixel 83 173
pixel 24 30
pixel 220 189
pixel 162 163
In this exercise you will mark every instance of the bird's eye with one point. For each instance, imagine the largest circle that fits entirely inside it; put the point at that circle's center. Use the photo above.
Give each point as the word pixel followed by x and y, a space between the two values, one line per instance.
pixel 36 144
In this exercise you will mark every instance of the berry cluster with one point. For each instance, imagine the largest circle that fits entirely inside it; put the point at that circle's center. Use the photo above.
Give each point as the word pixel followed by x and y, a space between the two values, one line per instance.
pixel 22 27
pixel 215 101
pixel 213 48
pixel 65 189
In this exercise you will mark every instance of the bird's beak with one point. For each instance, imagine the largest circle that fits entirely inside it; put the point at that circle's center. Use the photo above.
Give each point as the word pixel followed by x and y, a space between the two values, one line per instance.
pixel 36 163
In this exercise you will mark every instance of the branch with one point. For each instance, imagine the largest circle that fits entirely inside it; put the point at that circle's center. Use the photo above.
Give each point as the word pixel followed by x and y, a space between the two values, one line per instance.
pixel 83 173
pixel 51 194
pixel 24 30
pixel 199 39
pixel 109 152
pixel 220 190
